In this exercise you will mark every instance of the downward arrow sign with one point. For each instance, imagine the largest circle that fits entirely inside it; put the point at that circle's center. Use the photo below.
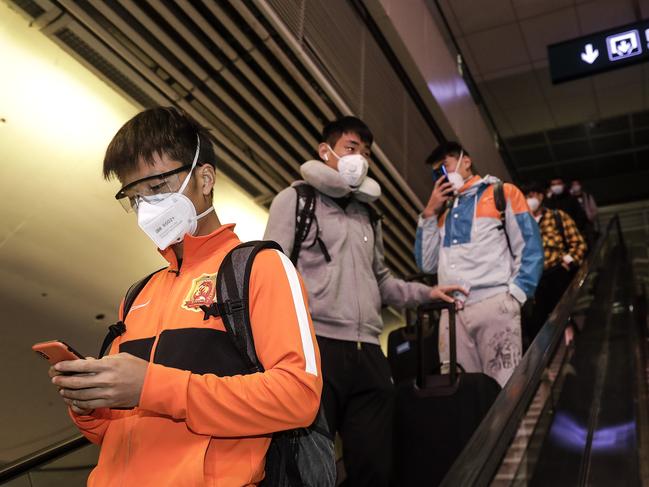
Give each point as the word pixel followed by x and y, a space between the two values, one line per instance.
pixel 624 47
pixel 589 55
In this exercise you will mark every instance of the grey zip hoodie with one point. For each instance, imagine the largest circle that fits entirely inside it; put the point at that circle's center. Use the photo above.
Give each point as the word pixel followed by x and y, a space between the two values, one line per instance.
pixel 346 294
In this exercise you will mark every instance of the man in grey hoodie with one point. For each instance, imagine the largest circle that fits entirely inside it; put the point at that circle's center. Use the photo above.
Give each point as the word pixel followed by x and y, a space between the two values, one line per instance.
pixel 339 253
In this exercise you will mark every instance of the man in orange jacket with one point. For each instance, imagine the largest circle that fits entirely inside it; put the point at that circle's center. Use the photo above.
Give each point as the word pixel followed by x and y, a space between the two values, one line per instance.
pixel 172 403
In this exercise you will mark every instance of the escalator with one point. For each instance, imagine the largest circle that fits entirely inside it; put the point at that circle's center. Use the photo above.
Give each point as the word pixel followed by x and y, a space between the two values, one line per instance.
pixel 570 415
pixel 573 415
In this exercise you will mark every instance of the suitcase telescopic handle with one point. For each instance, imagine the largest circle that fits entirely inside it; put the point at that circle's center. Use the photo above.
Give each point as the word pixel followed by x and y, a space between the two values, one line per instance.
pixel 426 310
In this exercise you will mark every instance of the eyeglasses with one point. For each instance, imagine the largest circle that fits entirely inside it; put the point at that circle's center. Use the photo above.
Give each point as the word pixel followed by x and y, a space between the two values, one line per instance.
pixel 167 182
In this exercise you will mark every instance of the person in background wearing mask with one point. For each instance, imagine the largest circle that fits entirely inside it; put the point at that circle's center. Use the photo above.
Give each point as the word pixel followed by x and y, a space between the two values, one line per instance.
pixel 561 199
pixel 461 236
pixel 340 255
pixel 174 403
pixel 564 250
pixel 588 204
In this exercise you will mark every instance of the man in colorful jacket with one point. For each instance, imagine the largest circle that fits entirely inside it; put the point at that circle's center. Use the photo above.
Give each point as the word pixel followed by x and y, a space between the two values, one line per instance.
pixel 464 238
pixel 174 403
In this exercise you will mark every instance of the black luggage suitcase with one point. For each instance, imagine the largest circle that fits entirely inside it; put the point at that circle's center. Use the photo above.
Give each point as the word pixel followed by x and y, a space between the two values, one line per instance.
pixel 402 349
pixel 435 415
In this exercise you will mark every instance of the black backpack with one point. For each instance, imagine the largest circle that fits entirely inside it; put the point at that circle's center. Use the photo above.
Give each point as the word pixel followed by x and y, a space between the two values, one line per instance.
pixel 305 216
pixel 295 458
pixel 501 206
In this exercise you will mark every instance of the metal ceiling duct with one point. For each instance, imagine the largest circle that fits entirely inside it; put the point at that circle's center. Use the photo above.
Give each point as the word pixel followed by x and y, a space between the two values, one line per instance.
pixel 265 77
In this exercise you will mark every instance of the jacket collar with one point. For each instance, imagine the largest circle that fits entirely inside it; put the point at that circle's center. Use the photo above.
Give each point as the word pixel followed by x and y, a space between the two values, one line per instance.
pixel 199 248
pixel 475 182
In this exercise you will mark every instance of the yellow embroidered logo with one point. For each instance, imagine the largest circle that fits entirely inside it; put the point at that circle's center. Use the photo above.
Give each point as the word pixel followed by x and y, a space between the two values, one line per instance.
pixel 202 293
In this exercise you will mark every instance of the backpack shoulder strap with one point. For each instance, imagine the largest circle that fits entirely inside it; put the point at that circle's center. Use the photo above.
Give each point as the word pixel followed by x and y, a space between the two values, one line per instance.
pixel 232 292
pixel 558 221
pixel 304 216
pixel 119 328
pixel 375 216
pixel 501 206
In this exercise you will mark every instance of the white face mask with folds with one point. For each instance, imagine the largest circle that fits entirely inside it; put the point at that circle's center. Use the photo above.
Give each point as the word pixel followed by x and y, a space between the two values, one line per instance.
pixel 557 189
pixel 351 167
pixel 533 203
pixel 455 178
pixel 166 218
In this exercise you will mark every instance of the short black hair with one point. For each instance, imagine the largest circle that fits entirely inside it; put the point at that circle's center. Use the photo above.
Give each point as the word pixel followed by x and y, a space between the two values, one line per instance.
pixel 450 148
pixel 533 187
pixel 334 130
pixel 161 130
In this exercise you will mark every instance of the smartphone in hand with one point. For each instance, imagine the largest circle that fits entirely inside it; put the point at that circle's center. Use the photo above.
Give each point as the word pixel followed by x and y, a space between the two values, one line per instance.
pixel 56 351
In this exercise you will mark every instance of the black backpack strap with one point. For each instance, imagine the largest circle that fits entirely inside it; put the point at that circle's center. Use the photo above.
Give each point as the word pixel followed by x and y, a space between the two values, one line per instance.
pixel 558 221
pixel 304 216
pixel 232 291
pixel 119 328
pixel 501 206
pixel 375 216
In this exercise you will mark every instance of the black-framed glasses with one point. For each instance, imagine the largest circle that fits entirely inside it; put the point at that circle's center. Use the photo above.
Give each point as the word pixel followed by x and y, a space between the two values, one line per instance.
pixel 167 182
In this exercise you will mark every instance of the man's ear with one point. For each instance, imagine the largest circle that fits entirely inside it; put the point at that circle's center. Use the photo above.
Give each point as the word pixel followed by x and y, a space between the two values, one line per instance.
pixel 206 177
pixel 323 151
pixel 468 163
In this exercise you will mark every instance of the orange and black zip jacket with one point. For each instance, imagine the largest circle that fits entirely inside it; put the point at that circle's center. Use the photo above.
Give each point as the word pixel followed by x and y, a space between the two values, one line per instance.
pixel 199 420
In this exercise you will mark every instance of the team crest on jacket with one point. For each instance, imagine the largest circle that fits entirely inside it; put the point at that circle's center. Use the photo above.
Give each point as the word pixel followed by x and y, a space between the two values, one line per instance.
pixel 202 293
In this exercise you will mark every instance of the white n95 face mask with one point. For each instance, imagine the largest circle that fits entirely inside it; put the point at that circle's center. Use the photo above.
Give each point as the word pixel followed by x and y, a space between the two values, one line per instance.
pixel 166 218
pixel 352 168
pixel 533 203
pixel 455 178
pixel 557 189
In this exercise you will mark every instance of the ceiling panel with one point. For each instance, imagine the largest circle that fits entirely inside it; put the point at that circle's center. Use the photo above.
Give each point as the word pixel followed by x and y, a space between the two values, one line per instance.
pixel 604 14
pixel 568 111
pixel 620 78
pixel 620 99
pixel 473 19
pixel 608 126
pixel 530 118
pixel 572 149
pixel 567 133
pixel 644 8
pixel 541 31
pixel 532 8
pixel 563 90
pixel 498 49
pixel 641 137
pixel 513 91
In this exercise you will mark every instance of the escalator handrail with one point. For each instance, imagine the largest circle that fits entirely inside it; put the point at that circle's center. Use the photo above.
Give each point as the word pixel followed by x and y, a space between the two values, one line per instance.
pixel 480 459
pixel 41 457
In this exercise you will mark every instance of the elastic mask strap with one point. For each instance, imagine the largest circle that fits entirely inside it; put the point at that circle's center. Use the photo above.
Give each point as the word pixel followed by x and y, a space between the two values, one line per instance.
pixel 198 149
pixel 206 212
pixel 459 161
pixel 333 151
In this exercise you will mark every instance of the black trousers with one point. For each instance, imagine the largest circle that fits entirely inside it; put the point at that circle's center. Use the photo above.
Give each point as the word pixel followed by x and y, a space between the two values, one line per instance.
pixel 552 285
pixel 358 398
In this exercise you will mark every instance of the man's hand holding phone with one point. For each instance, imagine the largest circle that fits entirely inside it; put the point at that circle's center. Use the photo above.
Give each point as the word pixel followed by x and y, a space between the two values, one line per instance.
pixel 114 381
pixel 53 372
pixel 442 191
pixel 87 383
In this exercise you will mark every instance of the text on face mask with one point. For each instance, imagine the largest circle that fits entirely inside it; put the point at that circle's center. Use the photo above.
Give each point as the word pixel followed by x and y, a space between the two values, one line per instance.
pixel 165 223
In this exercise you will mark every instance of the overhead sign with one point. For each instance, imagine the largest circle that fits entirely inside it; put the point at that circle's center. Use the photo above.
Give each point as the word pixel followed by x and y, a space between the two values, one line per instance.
pixel 602 51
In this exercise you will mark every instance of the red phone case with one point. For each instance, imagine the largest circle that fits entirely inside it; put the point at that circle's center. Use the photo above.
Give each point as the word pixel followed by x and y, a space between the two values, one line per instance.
pixel 56 351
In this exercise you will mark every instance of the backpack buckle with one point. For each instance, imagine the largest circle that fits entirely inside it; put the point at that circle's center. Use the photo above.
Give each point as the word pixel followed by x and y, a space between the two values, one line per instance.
pixel 231 307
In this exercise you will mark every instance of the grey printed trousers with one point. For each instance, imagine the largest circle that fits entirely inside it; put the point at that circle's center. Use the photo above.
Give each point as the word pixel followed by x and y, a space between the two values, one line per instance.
pixel 488 337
